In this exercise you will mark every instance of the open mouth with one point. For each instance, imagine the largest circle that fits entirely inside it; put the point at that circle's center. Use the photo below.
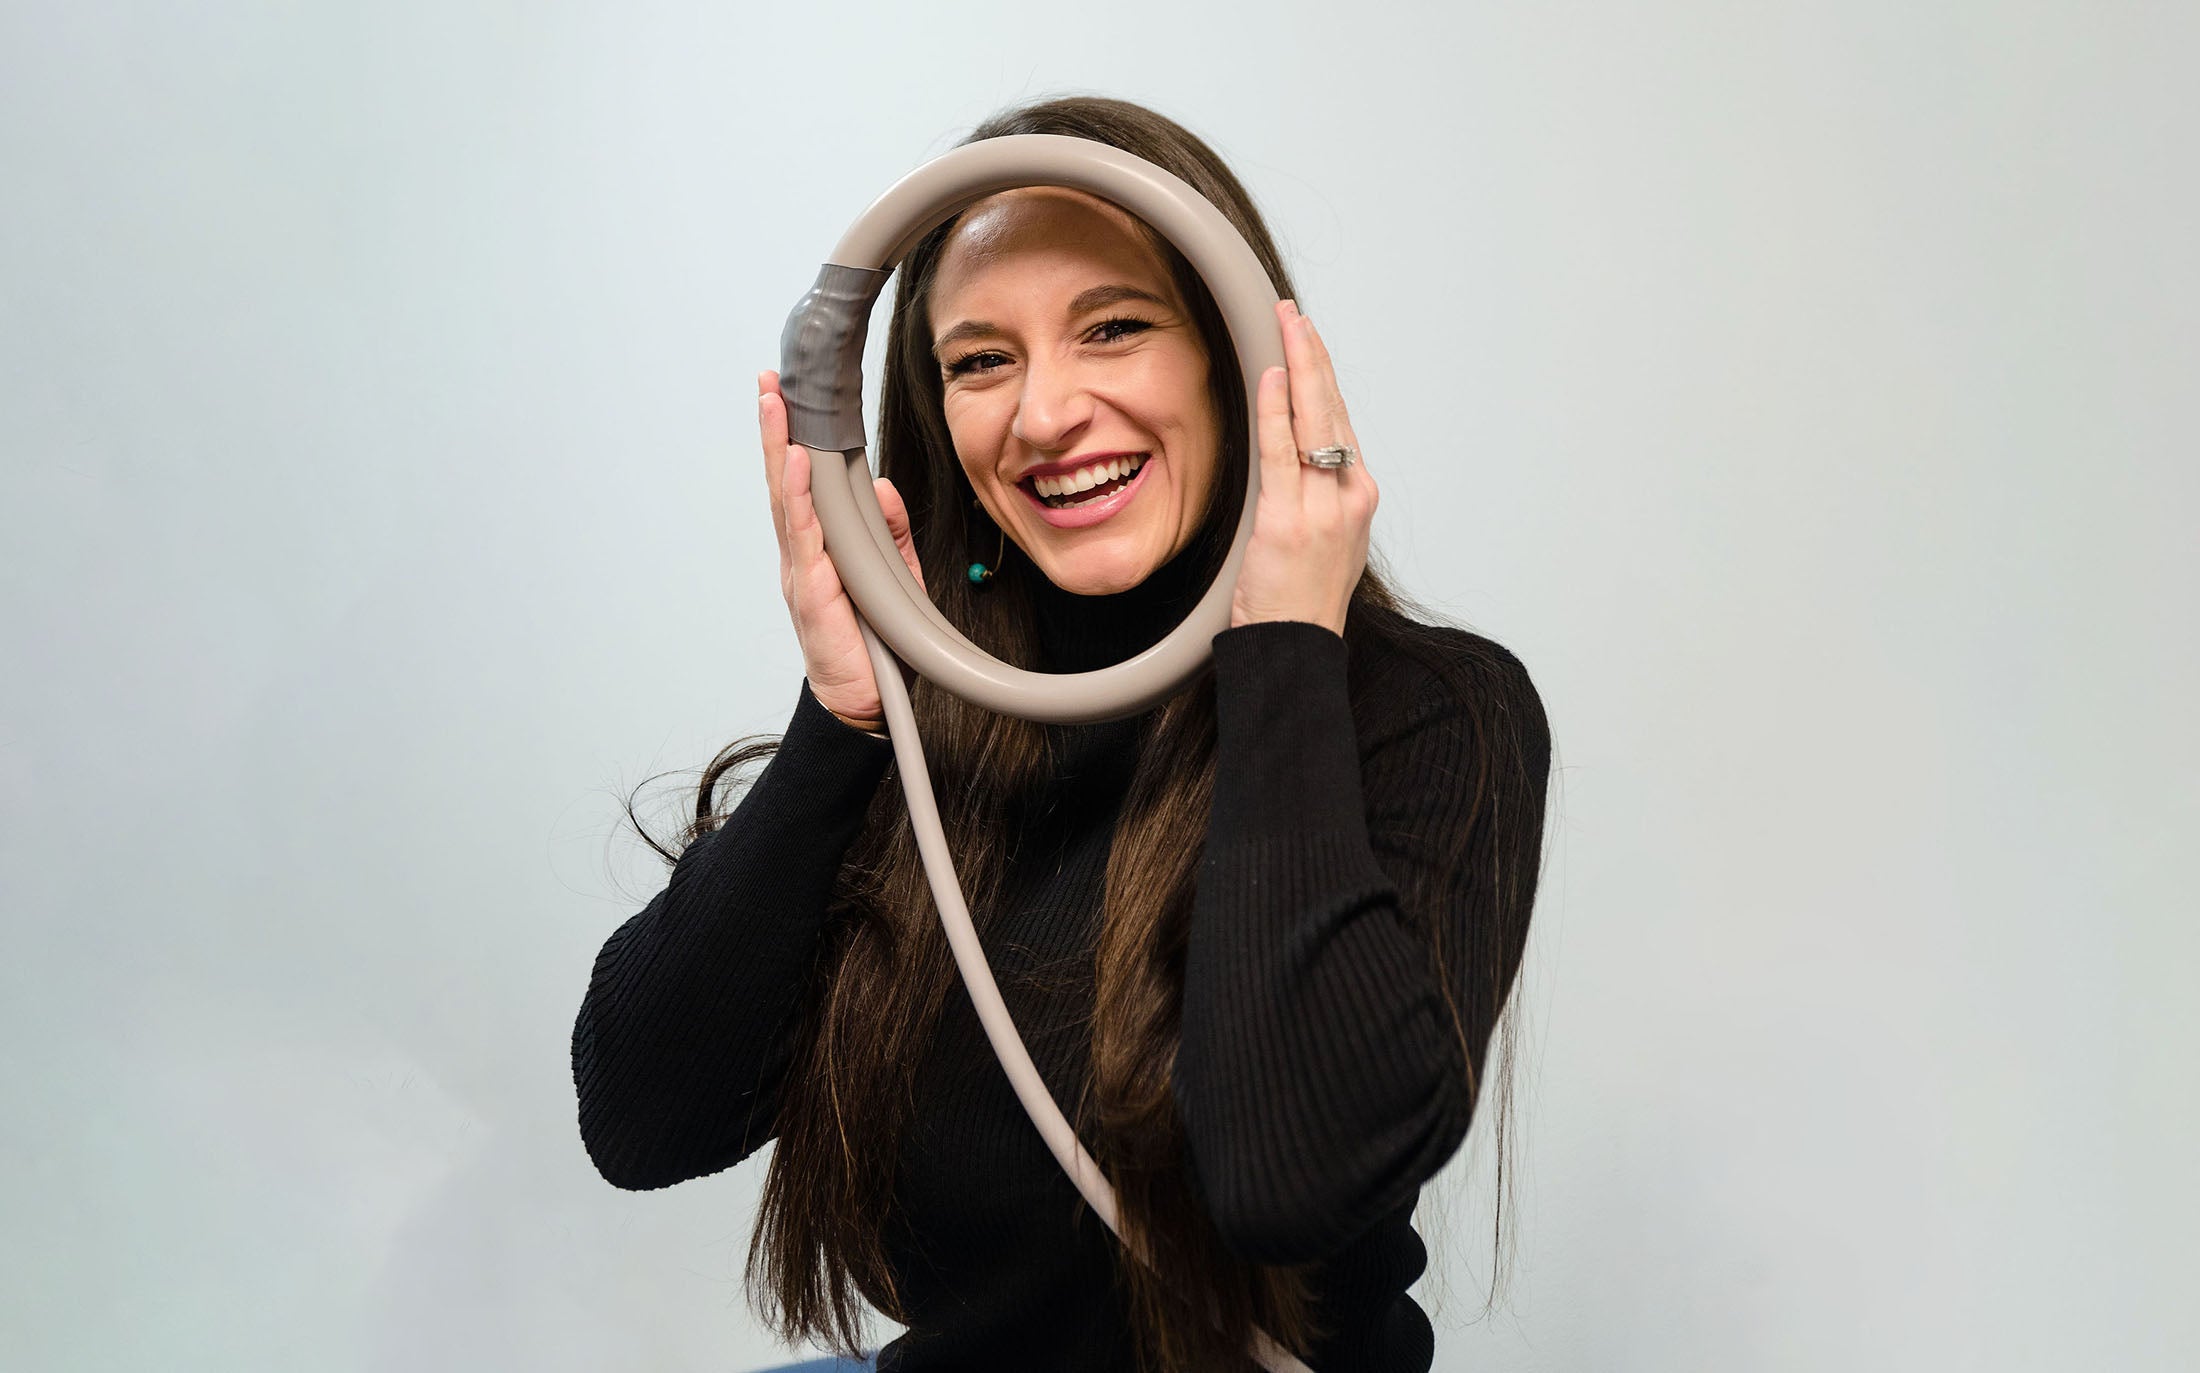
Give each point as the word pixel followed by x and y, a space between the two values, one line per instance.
pixel 1086 486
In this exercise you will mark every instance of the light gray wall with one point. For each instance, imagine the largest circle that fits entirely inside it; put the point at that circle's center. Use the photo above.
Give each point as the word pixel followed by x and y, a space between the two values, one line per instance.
pixel 1804 391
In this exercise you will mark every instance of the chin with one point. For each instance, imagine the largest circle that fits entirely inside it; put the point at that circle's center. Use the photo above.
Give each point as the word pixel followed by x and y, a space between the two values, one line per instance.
pixel 1099 577
pixel 1091 585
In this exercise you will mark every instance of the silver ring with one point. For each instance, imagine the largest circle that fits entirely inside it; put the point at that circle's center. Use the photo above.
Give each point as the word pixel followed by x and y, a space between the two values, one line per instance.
pixel 1331 457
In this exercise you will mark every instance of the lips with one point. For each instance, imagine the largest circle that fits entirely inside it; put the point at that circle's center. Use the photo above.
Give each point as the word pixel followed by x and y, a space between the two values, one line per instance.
pixel 1091 512
pixel 1089 475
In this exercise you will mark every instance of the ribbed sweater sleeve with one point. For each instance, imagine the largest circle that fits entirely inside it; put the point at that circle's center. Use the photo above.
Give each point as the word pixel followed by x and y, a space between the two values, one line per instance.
pixel 682 1037
pixel 1319 1077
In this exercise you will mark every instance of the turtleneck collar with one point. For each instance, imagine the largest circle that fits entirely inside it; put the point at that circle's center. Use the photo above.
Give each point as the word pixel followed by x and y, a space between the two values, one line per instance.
pixel 1082 633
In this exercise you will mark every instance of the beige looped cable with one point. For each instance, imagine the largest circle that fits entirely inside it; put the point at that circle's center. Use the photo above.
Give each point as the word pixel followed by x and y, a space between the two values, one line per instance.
pixel 821 381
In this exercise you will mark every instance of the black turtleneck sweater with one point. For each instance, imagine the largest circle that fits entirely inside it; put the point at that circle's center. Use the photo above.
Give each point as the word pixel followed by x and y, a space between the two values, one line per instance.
pixel 1318 1078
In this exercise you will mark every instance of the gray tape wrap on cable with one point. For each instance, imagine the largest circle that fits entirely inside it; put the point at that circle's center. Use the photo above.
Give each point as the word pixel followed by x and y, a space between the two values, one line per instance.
pixel 821 358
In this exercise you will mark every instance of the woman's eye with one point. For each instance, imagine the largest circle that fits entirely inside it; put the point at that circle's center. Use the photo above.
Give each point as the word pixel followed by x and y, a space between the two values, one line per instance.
pixel 1110 331
pixel 975 362
pixel 987 360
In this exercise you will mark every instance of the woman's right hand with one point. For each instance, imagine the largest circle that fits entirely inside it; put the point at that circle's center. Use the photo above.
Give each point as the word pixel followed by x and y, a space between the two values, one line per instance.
pixel 833 655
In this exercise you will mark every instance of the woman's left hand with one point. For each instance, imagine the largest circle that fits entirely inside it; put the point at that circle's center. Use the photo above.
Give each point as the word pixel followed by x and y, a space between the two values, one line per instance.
pixel 1310 524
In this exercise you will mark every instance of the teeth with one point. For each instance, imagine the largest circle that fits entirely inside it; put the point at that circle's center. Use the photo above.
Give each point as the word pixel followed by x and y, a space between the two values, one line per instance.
pixel 1086 478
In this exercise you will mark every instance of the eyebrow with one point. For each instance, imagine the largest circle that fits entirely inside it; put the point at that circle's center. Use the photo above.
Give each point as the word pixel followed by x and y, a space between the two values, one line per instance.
pixel 1095 298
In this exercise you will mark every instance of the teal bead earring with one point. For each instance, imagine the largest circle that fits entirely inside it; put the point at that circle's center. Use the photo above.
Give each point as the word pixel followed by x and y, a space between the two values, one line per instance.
pixel 980 574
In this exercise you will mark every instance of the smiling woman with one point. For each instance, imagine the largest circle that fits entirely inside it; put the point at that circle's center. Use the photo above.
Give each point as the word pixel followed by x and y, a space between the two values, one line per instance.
pixel 1258 938
pixel 1075 386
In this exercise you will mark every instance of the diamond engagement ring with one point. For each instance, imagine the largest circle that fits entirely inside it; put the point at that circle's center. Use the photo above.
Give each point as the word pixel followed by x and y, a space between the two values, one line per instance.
pixel 1333 456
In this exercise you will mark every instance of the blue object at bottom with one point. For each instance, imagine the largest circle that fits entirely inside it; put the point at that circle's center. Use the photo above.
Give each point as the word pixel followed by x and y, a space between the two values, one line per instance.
pixel 835 1365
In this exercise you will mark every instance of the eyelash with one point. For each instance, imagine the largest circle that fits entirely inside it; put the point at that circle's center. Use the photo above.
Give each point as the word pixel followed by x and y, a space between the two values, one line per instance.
pixel 968 361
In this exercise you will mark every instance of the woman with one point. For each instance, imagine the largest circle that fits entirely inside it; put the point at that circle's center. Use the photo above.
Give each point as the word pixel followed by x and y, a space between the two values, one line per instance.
pixel 1257 939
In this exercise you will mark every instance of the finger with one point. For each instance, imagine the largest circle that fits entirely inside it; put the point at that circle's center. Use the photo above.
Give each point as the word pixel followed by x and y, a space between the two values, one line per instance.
pixel 1332 398
pixel 813 571
pixel 1317 409
pixel 1330 422
pixel 1280 481
pixel 1312 415
pixel 896 511
pixel 771 423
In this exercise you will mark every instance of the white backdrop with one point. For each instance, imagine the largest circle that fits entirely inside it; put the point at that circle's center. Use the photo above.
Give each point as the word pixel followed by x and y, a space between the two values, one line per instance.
pixel 1804 391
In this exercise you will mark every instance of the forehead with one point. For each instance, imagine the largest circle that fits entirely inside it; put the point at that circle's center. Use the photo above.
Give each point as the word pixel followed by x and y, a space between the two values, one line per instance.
pixel 1048 227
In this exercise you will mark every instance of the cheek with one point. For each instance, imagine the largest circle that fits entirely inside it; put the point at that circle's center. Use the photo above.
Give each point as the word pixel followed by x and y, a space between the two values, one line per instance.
pixel 966 429
pixel 1175 388
pixel 982 410
pixel 1199 430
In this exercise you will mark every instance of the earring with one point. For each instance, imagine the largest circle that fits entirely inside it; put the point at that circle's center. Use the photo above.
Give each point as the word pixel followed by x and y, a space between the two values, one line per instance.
pixel 980 574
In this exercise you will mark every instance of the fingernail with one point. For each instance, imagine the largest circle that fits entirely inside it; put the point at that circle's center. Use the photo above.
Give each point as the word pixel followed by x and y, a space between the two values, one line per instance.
pixel 1292 305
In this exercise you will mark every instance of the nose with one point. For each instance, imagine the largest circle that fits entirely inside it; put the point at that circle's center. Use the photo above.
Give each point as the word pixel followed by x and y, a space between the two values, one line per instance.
pixel 1054 407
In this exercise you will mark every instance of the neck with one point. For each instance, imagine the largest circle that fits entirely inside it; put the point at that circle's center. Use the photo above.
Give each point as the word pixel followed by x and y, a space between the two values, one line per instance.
pixel 1083 633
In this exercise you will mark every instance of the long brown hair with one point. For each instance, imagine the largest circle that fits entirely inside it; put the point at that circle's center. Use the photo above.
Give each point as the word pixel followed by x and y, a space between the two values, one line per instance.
pixel 883 968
